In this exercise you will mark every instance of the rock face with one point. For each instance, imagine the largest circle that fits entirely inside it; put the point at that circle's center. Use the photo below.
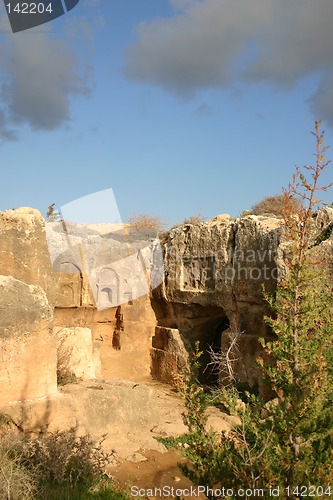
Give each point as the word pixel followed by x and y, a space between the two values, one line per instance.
pixel 23 250
pixel 121 335
pixel 92 262
pixel 170 354
pixel 214 277
pixel 214 273
pixel 77 354
pixel 28 292
pixel 27 345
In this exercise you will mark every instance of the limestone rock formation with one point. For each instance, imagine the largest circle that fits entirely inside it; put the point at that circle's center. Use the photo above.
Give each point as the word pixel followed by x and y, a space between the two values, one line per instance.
pixel 87 258
pixel 214 273
pixel 27 346
pixel 76 353
pixel 23 250
pixel 170 354
pixel 214 277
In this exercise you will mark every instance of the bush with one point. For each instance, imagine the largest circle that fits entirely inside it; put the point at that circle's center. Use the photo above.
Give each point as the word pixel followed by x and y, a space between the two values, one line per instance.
pixel 142 221
pixel 63 457
pixel 59 465
pixel 16 481
pixel 272 205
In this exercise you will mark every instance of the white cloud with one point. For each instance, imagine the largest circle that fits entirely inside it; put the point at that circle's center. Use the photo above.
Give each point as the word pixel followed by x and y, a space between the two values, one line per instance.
pixel 216 43
pixel 38 80
pixel 40 75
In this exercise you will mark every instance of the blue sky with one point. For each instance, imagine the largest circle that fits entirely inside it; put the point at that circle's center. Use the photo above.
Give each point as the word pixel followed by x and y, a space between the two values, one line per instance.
pixel 178 105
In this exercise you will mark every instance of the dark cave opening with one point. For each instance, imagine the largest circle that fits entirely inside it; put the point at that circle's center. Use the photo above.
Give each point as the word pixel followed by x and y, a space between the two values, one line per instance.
pixel 196 322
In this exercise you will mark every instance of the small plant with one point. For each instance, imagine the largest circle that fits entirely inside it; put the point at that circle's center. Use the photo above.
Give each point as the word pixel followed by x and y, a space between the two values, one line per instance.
pixel 58 465
pixel 16 481
pixel 195 219
pixel 64 457
pixel 172 442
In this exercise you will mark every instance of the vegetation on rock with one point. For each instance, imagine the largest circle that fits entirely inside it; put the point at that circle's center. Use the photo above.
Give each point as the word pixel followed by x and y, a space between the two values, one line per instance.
pixel 273 205
pixel 195 219
pixel 287 442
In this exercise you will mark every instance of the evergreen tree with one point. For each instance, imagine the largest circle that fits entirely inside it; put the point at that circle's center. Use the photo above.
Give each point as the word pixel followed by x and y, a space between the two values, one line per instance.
pixel 301 375
pixel 288 441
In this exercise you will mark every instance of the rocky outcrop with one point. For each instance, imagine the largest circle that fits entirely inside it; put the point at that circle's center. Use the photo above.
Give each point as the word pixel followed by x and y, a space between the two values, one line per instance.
pixel 214 273
pixel 28 292
pixel 27 346
pixel 214 278
pixel 121 335
pixel 24 252
pixel 88 258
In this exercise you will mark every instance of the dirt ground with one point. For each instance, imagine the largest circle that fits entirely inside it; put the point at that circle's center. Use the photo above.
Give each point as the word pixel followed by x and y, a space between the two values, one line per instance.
pixel 158 470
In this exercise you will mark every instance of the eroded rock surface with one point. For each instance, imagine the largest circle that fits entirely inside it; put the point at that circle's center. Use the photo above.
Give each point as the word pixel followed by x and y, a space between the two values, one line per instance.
pixel 23 250
pixel 214 273
pixel 131 415
pixel 76 353
pixel 214 278
pixel 27 346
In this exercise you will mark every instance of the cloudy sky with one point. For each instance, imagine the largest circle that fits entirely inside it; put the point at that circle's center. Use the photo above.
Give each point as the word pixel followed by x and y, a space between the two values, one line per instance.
pixel 178 105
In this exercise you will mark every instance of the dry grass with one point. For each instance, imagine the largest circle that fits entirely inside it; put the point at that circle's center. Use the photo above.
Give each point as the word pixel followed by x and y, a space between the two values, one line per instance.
pixel 64 373
pixel 195 219
pixel 16 480
pixel 31 467
pixel 64 457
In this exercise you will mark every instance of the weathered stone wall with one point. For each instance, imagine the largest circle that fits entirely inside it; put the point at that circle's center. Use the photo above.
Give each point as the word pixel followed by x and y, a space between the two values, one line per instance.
pixel 24 252
pixel 121 335
pixel 101 264
pixel 27 347
pixel 28 291
pixel 214 274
